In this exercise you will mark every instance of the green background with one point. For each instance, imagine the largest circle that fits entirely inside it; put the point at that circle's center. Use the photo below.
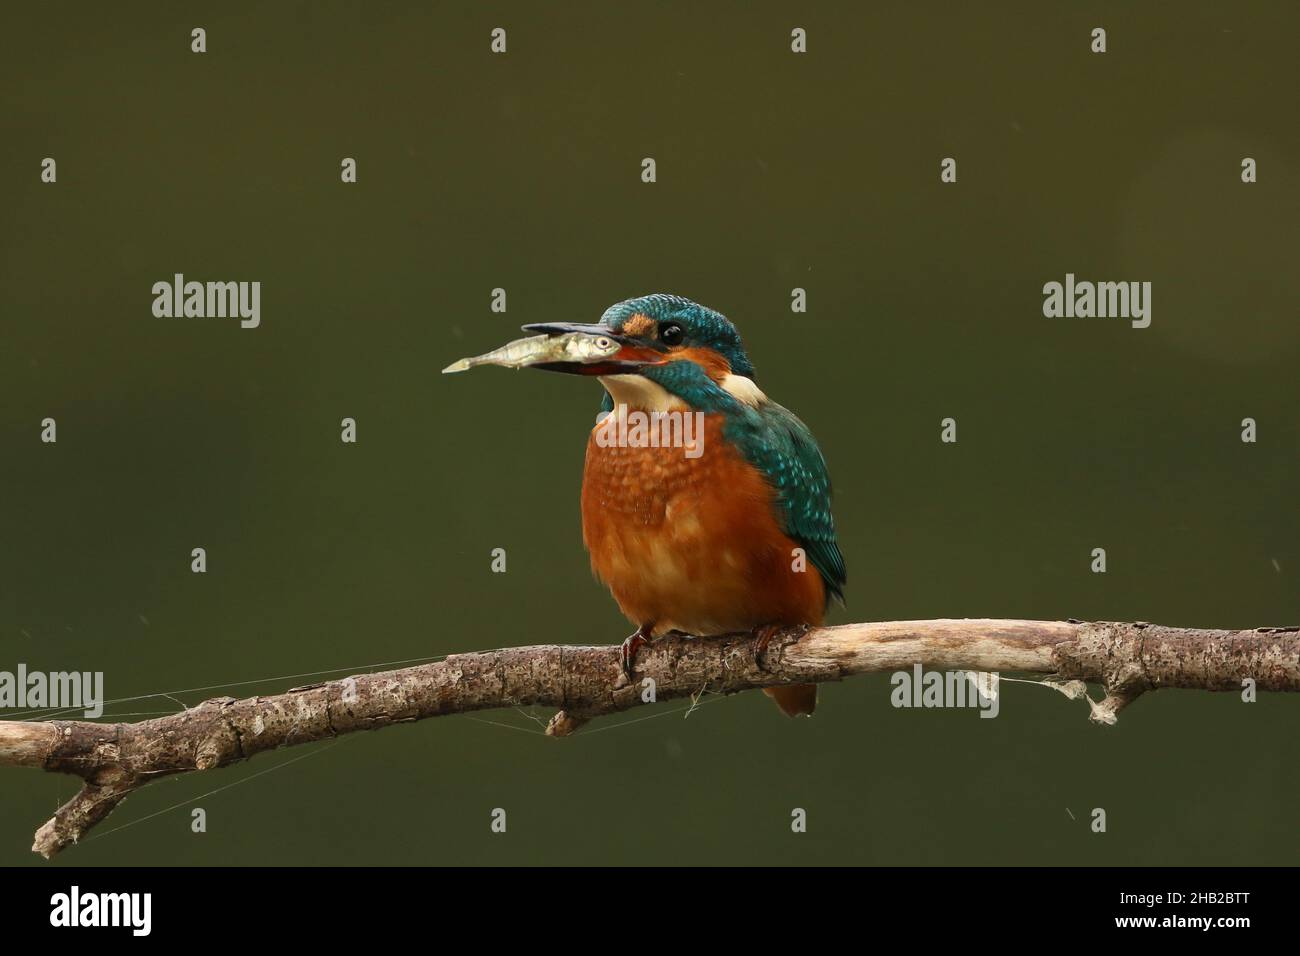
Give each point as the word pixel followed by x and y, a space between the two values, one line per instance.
pixel 775 170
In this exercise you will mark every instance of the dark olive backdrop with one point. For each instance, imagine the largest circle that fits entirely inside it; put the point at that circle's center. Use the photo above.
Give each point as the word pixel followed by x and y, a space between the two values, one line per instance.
pixel 775 170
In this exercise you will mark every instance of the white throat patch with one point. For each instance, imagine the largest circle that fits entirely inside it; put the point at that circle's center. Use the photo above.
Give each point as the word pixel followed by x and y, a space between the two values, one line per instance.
pixel 639 392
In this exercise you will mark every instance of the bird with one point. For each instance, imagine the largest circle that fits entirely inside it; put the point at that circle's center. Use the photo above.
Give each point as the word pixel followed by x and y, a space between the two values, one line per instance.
pixel 731 533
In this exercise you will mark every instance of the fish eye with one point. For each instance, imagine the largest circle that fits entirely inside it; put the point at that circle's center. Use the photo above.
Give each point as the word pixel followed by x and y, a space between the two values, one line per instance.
pixel 671 334
pixel 603 343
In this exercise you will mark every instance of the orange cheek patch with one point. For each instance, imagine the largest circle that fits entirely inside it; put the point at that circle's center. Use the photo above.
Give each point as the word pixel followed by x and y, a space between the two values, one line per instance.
pixel 714 365
pixel 639 326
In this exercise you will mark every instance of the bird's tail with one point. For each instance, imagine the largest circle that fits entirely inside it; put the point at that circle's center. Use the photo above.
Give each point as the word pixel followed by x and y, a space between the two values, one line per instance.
pixel 795 700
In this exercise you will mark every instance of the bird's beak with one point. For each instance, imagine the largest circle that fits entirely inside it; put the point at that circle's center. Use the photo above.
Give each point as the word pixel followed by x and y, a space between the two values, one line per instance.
pixel 573 348
pixel 563 328
pixel 632 354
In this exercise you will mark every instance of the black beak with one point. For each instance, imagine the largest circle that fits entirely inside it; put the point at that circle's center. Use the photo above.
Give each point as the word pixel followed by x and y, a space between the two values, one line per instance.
pixel 634 354
pixel 560 328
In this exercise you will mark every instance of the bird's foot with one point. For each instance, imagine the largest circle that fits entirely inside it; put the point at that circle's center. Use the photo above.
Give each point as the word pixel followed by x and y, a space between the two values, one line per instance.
pixel 631 644
pixel 762 638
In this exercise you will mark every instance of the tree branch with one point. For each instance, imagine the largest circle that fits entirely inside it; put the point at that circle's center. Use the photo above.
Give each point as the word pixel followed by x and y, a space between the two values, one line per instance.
pixel 587 682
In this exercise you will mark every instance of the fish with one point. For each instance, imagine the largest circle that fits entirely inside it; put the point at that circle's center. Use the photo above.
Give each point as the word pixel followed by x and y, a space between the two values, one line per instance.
pixel 540 349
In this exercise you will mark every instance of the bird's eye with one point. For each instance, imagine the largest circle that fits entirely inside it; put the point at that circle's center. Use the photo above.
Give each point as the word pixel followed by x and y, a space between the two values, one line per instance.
pixel 671 334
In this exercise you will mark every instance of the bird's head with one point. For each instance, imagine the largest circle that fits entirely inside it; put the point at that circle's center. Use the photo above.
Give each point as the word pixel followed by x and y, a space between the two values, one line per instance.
pixel 654 334
pixel 652 352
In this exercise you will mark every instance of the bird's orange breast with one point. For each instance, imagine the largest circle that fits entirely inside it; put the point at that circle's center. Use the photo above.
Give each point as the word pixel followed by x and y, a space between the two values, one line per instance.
pixel 693 543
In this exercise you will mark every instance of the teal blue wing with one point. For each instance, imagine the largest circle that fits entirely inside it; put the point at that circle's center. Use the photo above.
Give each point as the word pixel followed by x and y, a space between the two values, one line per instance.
pixel 778 444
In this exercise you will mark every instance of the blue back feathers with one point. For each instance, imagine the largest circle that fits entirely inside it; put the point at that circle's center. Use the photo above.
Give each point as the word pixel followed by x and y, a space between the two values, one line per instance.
pixel 779 445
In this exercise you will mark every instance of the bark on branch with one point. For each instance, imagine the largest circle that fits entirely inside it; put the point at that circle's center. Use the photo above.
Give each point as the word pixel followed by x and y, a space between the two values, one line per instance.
pixel 113 759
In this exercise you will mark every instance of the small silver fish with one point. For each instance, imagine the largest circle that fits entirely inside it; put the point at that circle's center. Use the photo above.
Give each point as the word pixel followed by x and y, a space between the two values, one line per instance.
pixel 539 349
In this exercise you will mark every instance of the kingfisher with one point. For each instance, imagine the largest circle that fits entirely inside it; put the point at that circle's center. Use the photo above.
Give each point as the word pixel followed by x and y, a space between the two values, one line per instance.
pixel 726 530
